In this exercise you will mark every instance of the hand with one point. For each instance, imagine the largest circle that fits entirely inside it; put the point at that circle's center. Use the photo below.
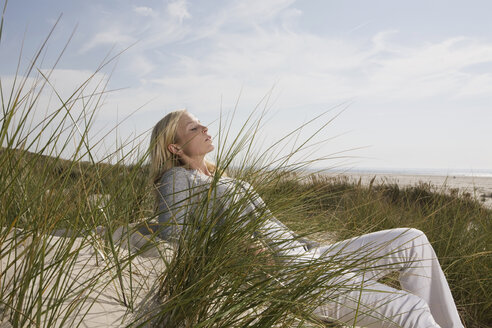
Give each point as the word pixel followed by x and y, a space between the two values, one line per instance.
pixel 259 249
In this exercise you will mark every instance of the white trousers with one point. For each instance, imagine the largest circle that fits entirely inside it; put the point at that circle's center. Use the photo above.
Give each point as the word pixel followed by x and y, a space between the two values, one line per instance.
pixel 425 299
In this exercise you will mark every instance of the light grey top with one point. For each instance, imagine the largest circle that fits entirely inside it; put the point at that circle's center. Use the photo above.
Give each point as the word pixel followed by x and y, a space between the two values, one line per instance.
pixel 181 189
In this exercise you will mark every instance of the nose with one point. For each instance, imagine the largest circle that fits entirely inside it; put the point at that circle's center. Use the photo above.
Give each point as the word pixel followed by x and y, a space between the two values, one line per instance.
pixel 204 129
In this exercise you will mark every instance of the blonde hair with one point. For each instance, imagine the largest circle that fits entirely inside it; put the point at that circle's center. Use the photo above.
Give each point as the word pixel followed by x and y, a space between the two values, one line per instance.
pixel 164 134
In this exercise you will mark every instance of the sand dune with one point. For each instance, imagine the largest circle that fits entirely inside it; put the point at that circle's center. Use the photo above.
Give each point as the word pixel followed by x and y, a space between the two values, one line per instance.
pixel 92 295
pixel 477 187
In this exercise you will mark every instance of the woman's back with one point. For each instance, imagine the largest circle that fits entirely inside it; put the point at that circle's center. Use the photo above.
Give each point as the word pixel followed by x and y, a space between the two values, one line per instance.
pixel 183 192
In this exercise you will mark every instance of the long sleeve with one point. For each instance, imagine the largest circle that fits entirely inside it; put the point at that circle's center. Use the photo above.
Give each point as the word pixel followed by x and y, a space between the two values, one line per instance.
pixel 181 191
pixel 273 232
pixel 175 197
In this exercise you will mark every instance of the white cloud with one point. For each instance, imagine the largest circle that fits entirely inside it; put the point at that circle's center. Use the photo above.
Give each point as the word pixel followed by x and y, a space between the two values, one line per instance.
pixel 258 10
pixel 145 11
pixel 426 71
pixel 250 49
pixel 251 13
pixel 476 86
pixel 178 9
pixel 317 69
pixel 75 91
pixel 381 41
pixel 65 81
pixel 112 36
pixel 256 44
pixel 141 65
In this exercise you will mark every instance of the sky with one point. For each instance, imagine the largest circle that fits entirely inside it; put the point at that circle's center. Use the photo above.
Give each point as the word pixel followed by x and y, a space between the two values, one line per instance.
pixel 408 84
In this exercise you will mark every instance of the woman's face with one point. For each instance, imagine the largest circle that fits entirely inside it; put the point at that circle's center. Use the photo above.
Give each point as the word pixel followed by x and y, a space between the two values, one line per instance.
pixel 192 137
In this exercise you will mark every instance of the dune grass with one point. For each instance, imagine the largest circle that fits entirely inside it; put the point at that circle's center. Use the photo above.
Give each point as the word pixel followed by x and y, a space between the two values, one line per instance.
pixel 459 228
pixel 318 206
pixel 54 208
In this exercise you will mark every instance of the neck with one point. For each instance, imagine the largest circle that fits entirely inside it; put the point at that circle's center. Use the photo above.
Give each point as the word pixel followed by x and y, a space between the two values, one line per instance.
pixel 199 165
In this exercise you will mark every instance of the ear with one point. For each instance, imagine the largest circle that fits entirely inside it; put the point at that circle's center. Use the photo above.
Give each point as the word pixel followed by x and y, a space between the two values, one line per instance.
pixel 173 148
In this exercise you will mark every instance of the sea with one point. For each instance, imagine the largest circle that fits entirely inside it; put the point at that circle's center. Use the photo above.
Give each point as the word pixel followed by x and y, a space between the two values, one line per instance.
pixel 486 173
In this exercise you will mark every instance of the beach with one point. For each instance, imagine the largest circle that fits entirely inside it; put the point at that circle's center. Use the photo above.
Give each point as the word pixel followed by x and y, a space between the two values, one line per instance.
pixel 478 187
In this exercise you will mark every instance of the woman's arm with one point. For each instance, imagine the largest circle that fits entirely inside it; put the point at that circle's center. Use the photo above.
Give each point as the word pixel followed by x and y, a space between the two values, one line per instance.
pixel 270 230
pixel 175 198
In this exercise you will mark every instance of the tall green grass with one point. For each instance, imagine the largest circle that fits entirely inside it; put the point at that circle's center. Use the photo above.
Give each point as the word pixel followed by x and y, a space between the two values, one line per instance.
pixel 50 211
pixel 59 214
pixel 54 208
pixel 458 227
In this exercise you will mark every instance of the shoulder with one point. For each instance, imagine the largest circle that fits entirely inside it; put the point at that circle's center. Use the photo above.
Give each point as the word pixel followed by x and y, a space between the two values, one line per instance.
pixel 176 172
pixel 175 176
pixel 181 176
pixel 236 182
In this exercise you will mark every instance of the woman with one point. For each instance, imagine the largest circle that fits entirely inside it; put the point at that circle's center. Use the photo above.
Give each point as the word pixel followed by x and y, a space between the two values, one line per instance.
pixel 181 172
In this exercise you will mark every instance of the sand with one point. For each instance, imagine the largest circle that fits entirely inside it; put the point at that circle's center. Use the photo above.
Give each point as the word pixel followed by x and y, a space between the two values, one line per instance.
pixel 93 297
pixel 477 187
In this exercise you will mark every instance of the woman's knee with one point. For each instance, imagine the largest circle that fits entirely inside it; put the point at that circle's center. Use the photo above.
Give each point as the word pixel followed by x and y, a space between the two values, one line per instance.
pixel 418 236
pixel 415 313
pixel 411 235
pixel 383 308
